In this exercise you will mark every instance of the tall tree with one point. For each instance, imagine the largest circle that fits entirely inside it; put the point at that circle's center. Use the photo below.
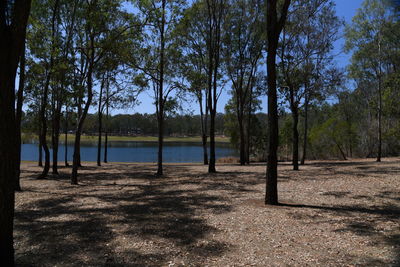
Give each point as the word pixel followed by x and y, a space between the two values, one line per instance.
pixel 103 25
pixel 243 44
pixel 155 61
pixel 305 53
pixel 190 33
pixel 216 11
pixel 18 114
pixel 365 37
pixel 13 21
pixel 275 22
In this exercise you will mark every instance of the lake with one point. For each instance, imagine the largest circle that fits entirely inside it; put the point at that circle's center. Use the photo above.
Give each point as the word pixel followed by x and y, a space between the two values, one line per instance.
pixel 132 151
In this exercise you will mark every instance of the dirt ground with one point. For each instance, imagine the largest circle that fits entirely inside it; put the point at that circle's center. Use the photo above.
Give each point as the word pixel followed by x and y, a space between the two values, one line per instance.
pixel 334 213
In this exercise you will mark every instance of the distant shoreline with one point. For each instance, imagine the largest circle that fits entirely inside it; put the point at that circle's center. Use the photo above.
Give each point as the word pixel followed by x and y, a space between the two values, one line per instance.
pixel 189 139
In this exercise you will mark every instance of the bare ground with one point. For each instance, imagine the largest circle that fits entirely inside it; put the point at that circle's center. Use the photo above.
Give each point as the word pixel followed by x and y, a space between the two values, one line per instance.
pixel 334 213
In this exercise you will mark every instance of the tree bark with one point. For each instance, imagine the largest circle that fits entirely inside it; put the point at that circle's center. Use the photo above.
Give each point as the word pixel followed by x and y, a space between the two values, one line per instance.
pixel 295 155
pixel 274 28
pixel 242 141
pixel 303 158
pixel 106 126
pixel 55 138
pixel 40 150
pixel 203 121
pixel 100 117
pixel 43 116
pixel 66 138
pixel 77 145
pixel 18 116
pixel 11 45
pixel 160 101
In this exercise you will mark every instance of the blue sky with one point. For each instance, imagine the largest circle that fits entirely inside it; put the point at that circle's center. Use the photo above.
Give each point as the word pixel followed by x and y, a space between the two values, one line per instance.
pixel 346 9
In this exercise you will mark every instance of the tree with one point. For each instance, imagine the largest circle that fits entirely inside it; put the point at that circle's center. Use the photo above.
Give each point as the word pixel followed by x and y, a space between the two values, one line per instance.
pixel 103 23
pixel 243 44
pixel 216 11
pixel 305 54
pixel 13 21
pixel 190 33
pixel 275 25
pixel 156 58
pixel 366 38
pixel 18 114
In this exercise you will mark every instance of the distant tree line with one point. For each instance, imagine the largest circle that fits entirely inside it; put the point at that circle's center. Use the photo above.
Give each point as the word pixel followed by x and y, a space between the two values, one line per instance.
pixel 131 124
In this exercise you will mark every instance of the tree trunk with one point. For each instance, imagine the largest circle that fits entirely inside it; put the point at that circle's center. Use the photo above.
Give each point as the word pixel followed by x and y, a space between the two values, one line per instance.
pixel 378 159
pixel 76 157
pixel 106 130
pixel 295 155
pixel 303 158
pixel 43 134
pixel 43 116
pixel 203 121
pixel 40 150
pixel 160 101
pixel 18 116
pixel 248 135
pixel 242 141
pixel 55 138
pixel 100 115
pixel 274 28
pixel 272 161
pixel 66 138
pixel 11 46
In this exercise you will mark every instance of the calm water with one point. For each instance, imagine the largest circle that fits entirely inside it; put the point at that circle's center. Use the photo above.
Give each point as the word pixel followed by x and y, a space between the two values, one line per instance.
pixel 135 152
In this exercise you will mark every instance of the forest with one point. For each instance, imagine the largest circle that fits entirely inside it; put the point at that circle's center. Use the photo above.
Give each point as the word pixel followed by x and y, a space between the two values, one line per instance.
pixel 270 75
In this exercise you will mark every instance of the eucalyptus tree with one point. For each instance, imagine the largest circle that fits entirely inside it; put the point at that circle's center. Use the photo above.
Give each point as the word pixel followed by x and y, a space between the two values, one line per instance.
pixel 13 21
pixel 276 18
pixel 62 74
pixel 216 12
pixel 18 113
pixel 190 35
pixel 366 38
pixel 43 43
pixel 155 60
pixel 243 44
pixel 100 25
pixel 305 53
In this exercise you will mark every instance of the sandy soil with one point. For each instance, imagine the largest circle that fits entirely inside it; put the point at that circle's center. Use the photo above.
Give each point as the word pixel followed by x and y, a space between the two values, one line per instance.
pixel 334 213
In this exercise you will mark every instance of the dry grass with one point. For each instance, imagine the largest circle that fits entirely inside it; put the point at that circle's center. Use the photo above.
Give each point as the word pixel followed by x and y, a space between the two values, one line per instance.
pixel 334 214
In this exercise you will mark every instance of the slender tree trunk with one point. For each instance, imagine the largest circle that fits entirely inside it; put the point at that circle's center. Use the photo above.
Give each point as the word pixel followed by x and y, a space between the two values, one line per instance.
pixel 106 128
pixel 303 158
pixel 378 159
pixel 100 116
pixel 18 116
pixel 43 116
pixel 40 150
pixel 203 120
pixel 295 151
pixel 55 139
pixel 242 141
pixel 11 45
pixel 160 115
pixel 77 145
pixel 66 138
pixel 43 134
pixel 248 135
pixel 211 164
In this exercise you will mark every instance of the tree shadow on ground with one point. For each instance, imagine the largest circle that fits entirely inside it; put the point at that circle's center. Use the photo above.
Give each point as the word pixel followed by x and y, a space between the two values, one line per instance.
pixel 125 216
pixel 362 221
